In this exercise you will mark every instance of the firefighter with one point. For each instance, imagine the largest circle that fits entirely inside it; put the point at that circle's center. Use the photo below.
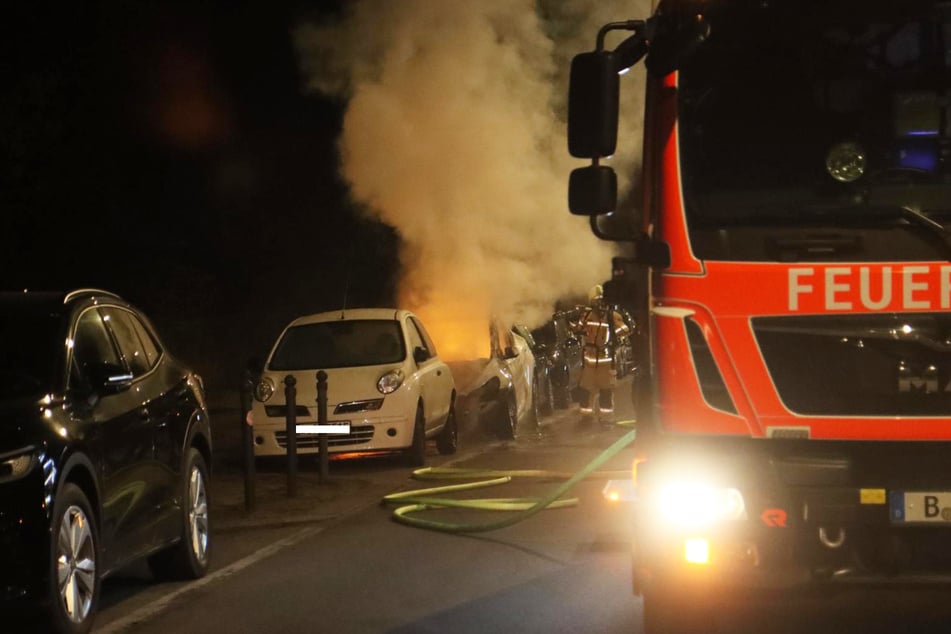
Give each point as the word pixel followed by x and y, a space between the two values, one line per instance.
pixel 601 327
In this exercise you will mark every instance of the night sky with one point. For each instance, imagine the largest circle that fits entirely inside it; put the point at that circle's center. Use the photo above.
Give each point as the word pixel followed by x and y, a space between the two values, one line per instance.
pixel 169 153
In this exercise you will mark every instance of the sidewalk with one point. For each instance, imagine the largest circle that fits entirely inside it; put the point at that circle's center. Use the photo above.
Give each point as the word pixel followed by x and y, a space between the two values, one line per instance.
pixel 315 501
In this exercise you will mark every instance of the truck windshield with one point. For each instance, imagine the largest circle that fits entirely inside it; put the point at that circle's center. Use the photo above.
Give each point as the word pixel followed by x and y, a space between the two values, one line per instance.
pixel 794 106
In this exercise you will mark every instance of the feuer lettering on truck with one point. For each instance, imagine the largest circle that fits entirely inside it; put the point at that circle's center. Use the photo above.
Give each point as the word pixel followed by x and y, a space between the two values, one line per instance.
pixel 874 288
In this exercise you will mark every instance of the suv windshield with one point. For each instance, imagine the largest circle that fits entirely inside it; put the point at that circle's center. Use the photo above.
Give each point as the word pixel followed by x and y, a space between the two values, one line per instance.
pixel 338 344
pixel 30 348
pixel 794 106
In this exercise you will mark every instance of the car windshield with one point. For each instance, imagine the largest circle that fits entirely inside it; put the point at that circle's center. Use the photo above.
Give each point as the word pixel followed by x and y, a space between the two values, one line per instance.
pixel 798 104
pixel 30 347
pixel 338 344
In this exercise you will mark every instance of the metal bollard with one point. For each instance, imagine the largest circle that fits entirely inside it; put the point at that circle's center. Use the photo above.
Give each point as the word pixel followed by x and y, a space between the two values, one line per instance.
pixel 247 440
pixel 290 400
pixel 322 420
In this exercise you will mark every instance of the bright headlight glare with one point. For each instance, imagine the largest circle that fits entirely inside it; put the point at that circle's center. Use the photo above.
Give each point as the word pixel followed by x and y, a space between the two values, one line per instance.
pixel 390 382
pixel 264 390
pixel 697 505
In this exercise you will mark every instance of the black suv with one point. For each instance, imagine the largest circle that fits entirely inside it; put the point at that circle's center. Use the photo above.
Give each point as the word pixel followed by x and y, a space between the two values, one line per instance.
pixel 105 450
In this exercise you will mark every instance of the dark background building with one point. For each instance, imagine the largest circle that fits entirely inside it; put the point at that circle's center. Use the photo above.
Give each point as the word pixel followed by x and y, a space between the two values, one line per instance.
pixel 167 151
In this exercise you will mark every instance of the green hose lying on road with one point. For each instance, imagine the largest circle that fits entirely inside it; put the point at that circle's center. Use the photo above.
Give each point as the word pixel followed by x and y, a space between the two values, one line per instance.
pixel 421 499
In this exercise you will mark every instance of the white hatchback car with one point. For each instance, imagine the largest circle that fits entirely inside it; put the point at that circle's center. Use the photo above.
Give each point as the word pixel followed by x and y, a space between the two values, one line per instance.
pixel 384 379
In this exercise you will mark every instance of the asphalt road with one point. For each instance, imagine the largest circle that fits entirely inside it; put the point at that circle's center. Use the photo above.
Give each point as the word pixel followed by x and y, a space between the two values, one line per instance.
pixel 340 563
pixel 343 565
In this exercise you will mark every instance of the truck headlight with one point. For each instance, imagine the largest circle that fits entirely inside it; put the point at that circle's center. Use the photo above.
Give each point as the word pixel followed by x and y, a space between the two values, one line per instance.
pixel 689 505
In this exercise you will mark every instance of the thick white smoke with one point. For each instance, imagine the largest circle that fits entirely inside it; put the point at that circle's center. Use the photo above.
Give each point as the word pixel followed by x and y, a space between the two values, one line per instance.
pixel 454 135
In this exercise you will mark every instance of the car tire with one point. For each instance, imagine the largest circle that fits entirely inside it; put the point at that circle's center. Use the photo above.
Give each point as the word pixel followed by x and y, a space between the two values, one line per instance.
pixel 74 557
pixel 416 453
pixel 561 397
pixel 448 440
pixel 188 558
pixel 508 420
pixel 546 406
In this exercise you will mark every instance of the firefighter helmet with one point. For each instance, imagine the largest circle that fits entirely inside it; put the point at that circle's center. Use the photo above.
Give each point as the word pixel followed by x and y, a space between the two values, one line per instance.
pixel 596 294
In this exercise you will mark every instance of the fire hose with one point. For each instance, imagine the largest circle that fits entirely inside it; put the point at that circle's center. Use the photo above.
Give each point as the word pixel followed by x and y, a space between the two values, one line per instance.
pixel 424 499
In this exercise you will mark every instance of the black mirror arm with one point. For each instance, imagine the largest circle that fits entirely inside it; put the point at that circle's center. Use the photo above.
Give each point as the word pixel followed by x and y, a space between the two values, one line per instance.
pixel 627 25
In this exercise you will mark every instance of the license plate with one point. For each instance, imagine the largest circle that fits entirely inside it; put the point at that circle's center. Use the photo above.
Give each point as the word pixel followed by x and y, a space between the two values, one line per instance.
pixel 931 507
pixel 342 427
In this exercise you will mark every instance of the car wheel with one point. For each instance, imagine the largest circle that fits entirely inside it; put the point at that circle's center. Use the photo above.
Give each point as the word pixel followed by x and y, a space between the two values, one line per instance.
pixel 547 394
pixel 188 558
pixel 448 440
pixel 74 572
pixel 561 397
pixel 508 422
pixel 416 452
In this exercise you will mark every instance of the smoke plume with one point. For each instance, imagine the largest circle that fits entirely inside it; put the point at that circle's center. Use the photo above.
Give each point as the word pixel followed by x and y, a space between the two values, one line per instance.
pixel 454 135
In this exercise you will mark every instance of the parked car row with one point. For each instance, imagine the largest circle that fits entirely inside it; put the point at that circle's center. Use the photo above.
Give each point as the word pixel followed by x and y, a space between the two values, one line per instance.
pixel 105 444
pixel 105 453
pixel 106 447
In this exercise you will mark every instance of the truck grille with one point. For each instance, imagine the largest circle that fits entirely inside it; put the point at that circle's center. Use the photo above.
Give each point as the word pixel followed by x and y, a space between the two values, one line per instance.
pixel 859 365
pixel 357 435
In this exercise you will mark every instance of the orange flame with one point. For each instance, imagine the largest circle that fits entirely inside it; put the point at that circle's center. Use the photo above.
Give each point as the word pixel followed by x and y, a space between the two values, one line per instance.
pixel 459 327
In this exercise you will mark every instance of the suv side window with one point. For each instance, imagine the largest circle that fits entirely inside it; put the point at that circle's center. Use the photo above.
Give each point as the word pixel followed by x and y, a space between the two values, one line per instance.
pixel 91 344
pixel 149 344
pixel 133 351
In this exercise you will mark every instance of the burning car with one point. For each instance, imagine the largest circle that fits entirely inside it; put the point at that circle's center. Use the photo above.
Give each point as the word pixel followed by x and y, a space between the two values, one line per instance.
pixel 502 396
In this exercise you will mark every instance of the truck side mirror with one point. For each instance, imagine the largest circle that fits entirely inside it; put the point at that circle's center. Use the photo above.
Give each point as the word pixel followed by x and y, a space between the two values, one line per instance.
pixel 592 190
pixel 593 93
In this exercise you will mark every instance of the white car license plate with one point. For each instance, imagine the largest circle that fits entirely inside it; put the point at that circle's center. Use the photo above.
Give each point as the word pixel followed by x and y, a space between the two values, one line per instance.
pixel 920 507
pixel 340 427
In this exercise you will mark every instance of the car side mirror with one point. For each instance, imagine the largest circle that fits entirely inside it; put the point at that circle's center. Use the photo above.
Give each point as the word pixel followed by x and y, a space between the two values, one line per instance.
pixel 510 352
pixel 107 378
pixel 420 354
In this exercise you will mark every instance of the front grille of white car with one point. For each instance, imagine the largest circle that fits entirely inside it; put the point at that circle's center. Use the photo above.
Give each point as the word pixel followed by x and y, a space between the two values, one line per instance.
pixel 370 405
pixel 358 434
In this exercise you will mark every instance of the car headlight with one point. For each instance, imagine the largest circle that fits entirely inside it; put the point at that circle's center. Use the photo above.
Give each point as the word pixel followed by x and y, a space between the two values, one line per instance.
pixel 17 466
pixel 264 390
pixel 689 505
pixel 390 382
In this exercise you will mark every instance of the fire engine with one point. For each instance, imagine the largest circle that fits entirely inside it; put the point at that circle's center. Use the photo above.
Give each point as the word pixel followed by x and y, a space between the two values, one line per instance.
pixel 794 407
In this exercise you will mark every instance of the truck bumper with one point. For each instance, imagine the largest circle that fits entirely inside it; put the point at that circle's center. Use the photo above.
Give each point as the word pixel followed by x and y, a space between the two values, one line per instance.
pixel 815 514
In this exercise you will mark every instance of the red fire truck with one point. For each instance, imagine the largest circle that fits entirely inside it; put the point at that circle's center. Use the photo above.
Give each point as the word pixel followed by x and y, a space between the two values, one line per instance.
pixel 795 412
